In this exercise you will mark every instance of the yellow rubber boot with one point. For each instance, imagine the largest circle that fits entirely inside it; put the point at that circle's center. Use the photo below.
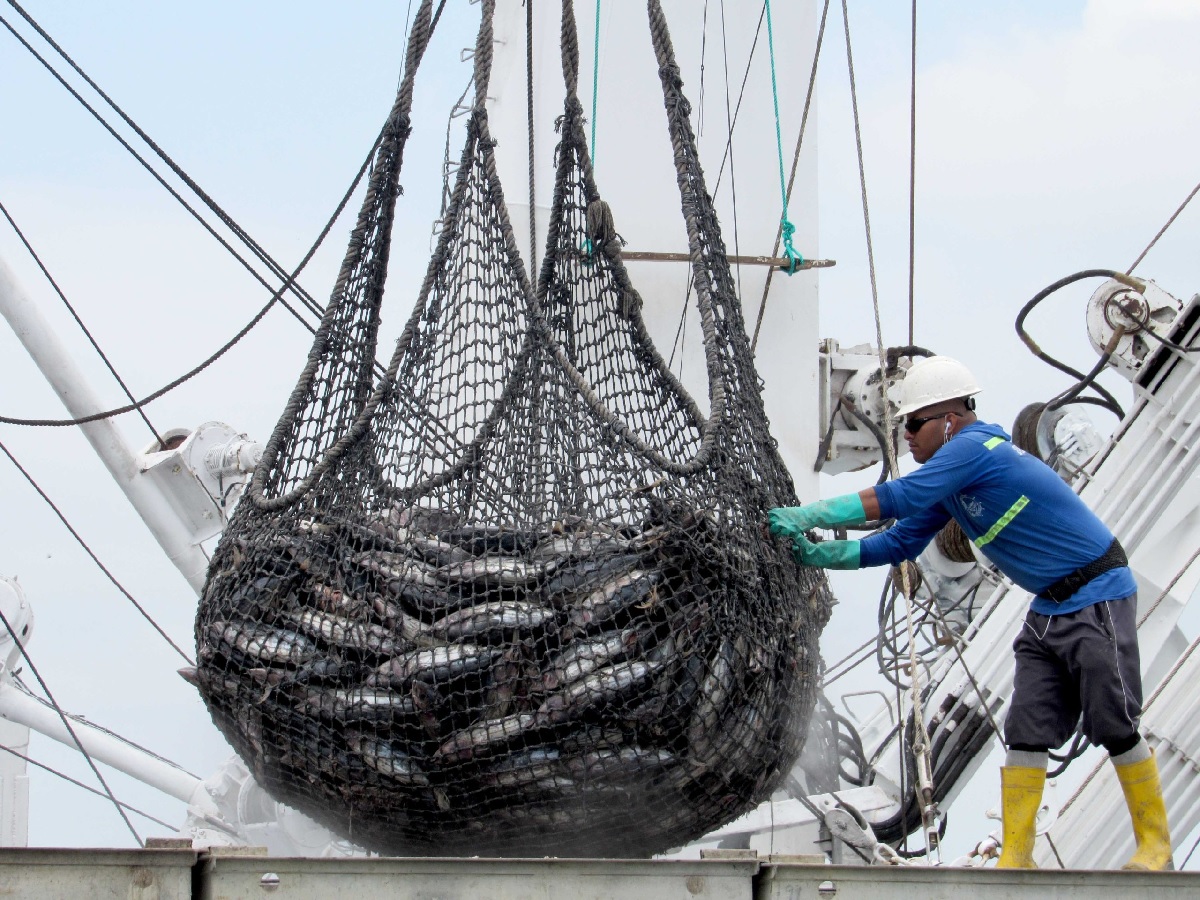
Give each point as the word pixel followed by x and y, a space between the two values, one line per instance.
pixel 1143 796
pixel 1020 797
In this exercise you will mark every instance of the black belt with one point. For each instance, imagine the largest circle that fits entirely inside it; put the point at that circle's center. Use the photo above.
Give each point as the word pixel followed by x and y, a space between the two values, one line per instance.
pixel 1066 587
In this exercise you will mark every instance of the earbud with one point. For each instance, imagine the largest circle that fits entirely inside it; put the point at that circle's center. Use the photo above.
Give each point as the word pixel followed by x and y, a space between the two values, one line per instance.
pixel 946 430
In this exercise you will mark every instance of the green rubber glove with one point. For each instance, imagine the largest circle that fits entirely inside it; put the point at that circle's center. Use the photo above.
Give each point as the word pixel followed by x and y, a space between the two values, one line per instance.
pixel 827 554
pixel 793 521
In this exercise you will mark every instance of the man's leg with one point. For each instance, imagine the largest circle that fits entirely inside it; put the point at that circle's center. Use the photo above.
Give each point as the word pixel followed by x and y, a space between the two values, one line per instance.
pixel 1041 715
pixel 1111 695
pixel 1022 778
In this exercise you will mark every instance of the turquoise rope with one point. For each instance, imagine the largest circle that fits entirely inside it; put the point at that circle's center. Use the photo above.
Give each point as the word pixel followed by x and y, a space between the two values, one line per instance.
pixel 787 228
pixel 595 83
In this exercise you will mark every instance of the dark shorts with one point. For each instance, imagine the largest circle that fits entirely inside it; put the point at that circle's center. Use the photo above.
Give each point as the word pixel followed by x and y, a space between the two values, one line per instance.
pixel 1083 663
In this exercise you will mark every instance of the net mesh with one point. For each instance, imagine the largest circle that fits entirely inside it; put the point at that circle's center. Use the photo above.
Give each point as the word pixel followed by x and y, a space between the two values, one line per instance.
pixel 512 596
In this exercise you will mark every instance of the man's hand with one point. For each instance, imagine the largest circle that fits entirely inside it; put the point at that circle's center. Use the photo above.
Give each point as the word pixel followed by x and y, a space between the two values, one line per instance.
pixel 826 554
pixel 793 521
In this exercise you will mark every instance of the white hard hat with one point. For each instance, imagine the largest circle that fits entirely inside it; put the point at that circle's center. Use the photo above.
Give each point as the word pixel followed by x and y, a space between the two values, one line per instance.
pixel 932 380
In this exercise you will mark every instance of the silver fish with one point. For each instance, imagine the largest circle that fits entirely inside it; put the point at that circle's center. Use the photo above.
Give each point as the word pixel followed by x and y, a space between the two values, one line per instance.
pixel 433 663
pixel 576 546
pixel 538 766
pixel 567 586
pixel 262 642
pixel 312 526
pixel 398 567
pixel 584 657
pixel 437 552
pixel 332 629
pixel 638 586
pixel 356 704
pixel 487 618
pixel 388 760
pixel 507 571
pixel 715 691
pixel 739 740
pixel 362 636
pixel 394 534
pixel 618 763
pixel 336 601
pixel 484 738
pixel 480 540
pixel 410 628
pixel 602 686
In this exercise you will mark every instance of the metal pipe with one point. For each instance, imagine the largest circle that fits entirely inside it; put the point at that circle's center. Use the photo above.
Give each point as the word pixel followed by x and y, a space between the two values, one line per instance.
pixel 18 706
pixel 68 382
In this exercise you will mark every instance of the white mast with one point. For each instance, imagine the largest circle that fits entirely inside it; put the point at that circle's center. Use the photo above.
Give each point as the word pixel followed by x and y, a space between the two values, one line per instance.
pixel 68 382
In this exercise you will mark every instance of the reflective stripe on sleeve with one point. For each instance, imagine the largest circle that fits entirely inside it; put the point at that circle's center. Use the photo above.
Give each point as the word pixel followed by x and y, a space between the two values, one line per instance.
pixel 1022 501
pixel 993 443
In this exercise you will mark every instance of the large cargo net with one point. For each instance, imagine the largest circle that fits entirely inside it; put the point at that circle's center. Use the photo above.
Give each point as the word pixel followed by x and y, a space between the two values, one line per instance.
pixel 512 596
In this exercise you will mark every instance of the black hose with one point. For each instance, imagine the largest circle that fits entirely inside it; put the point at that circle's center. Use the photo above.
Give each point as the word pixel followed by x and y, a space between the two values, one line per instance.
pixel 1088 380
pixel 878 434
pixel 1078 746
pixel 1084 381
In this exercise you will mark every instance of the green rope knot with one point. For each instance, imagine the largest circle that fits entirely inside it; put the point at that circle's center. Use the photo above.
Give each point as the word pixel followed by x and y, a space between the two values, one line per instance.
pixel 787 229
pixel 794 258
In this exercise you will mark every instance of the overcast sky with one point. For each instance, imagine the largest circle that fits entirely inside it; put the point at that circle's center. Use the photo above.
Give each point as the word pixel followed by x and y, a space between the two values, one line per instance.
pixel 1051 137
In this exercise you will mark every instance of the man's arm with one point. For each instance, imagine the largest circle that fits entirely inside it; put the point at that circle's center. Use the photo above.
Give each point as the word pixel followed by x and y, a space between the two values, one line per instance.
pixel 870 504
pixel 906 540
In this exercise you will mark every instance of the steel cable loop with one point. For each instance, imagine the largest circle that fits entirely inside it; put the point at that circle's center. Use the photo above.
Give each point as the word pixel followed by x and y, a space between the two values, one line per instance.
pixel 364 259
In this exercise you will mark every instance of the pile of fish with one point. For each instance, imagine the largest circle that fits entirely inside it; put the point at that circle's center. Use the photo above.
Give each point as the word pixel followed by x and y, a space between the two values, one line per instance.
pixel 425 687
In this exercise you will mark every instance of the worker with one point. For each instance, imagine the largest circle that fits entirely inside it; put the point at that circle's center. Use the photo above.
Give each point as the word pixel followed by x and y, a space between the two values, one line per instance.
pixel 1077 651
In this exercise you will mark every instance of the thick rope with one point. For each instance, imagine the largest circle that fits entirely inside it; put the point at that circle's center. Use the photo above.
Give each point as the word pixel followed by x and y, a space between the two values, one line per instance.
pixel 276 297
pixel 242 235
pixel 383 190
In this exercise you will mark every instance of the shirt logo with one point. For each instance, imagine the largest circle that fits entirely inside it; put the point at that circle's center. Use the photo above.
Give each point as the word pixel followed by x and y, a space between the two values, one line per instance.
pixel 973 507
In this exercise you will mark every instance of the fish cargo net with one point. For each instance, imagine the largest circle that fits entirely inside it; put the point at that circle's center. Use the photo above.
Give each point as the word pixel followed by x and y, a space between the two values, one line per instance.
pixel 511 596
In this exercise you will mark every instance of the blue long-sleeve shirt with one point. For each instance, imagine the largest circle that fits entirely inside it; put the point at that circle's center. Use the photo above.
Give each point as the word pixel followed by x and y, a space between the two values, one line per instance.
pixel 1011 505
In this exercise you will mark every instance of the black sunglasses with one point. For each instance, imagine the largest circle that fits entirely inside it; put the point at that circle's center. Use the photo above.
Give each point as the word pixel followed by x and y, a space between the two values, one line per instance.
pixel 912 426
